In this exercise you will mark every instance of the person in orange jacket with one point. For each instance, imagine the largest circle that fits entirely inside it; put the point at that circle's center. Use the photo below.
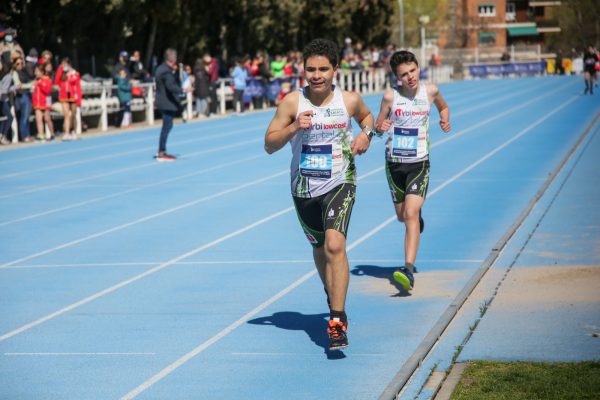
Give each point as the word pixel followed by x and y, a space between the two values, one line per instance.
pixel 69 95
pixel 41 90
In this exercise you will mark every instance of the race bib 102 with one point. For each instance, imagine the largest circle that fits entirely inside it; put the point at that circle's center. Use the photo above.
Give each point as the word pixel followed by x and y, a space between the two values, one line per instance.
pixel 405 142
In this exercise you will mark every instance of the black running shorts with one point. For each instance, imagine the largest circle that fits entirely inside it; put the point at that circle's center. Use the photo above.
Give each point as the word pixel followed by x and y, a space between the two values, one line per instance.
pixel 329 211
pixel 407 178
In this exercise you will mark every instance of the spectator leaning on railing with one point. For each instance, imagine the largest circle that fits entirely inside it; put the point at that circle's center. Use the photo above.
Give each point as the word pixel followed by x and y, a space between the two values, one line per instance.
pixel 7 89
pixel 239 75
pixel 136 68
pixel 23 83
pixel 213 74
pixel 201 90
pixel 124 85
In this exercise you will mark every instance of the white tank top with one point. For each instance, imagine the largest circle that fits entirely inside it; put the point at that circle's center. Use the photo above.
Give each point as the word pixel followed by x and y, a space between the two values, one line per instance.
pixel 408 140
pixel 322 157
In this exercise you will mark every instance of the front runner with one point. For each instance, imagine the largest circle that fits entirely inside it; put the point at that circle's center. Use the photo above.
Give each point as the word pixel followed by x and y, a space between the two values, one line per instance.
pixel 404 114
pixel 316 121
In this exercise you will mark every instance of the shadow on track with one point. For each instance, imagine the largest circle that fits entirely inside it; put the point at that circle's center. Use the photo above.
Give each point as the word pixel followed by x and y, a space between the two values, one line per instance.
pixel 314 325
pixel 381 273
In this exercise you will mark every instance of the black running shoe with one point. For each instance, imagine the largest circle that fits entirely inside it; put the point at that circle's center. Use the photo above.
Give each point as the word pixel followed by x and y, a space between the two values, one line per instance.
pixel 337 335
pixel 421 223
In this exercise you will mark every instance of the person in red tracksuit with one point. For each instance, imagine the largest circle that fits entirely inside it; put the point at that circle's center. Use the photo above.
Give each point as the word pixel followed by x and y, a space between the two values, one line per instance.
pixel 41 90
pixel 69 82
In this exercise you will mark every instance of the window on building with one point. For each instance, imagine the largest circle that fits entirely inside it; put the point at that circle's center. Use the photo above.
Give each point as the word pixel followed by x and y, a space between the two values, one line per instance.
pixel 487 10
pixel 511 11
pixel 487 38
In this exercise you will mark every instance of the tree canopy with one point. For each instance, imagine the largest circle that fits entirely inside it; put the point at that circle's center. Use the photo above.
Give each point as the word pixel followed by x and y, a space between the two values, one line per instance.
pixel 82 29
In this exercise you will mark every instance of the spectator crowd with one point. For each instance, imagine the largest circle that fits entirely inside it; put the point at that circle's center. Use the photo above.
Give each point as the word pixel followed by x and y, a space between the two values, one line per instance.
pixel 42 89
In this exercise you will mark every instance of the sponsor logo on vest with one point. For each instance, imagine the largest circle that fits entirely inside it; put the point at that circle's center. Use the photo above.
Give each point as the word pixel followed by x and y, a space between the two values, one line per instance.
pixel 401 113
pixel 333 112
pixel 319 126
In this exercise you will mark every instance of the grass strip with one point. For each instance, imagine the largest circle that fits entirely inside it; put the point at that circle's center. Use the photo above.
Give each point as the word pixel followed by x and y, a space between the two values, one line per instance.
pixel 529 381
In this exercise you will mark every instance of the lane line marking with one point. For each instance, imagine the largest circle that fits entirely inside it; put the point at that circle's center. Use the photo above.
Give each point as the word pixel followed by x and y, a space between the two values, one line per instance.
pixel 231 262
pixel 143 219
pixel 179 258
pixel 250 314
pixel 412 364
pixel 141 136
pixel 512 94
pixel 80 354
pixel 147 149
pixel 116 194
pixel 310 355
pixel 118 171
pixel 188 356
pixel 141 275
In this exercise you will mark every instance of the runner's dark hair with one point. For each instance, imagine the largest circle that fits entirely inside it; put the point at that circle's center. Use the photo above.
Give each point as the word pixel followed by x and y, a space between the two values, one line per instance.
pixel 402 57
pixel 322 47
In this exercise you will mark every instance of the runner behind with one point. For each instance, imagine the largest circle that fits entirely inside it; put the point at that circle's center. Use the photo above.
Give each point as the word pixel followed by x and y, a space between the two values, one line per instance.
pixel 404 115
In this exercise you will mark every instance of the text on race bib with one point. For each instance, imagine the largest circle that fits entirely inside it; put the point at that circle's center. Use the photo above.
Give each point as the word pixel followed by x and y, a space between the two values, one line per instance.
pixel 405 141
pixel 316 161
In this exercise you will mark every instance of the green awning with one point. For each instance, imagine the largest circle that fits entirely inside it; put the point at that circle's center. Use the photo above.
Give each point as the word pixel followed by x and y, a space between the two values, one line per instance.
pixel 522 31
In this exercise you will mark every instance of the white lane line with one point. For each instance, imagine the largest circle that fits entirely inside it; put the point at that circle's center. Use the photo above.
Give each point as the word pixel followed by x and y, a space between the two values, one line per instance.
pixel 463 132
pixel 309 355
pixel 106 291
pixel 80 354
pixel 116 194
pixel 141 275
pixel 141 136
pixel 127 169
pixel 147 149
pixel 185 358
pixel 143 219
pixel 513 94
pixel 466 99
pixel 234 262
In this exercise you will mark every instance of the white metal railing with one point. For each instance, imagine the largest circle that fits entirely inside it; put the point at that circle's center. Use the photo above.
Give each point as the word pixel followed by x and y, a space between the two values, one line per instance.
pixel 99 101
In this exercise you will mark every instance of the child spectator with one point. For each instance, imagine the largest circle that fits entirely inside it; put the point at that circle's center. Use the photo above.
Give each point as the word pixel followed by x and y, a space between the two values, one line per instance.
pixel 239 75
pixel 286 87
pixel 124 85
pixel 69 96
pixel 41 90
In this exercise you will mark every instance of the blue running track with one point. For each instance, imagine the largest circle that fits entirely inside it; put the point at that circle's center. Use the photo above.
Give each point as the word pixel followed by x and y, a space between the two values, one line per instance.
pixel 124 278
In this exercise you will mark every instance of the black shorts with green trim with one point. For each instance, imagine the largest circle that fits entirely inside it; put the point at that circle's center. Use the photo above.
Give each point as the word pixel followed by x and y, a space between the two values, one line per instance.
pixel 331 210
pixel 407 178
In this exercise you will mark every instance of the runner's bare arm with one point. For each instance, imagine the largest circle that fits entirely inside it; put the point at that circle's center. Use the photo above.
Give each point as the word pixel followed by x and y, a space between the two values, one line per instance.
pixel 362 115
pixel 284 124
pixel 435 94
pixel 384 123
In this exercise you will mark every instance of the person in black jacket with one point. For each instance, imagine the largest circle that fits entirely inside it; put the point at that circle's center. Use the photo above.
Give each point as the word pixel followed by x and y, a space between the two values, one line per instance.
pixel 168 94
pixel 590 58
pixel 201 88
